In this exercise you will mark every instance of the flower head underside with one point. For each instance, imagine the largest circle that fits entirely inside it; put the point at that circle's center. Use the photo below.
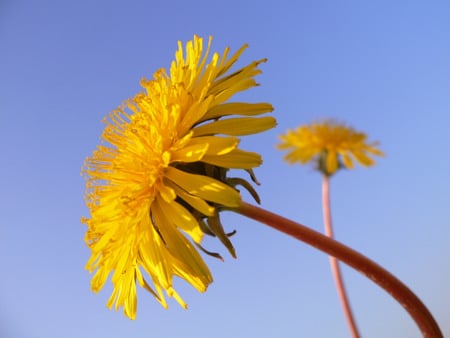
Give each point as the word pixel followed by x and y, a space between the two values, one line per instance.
pixel 158 180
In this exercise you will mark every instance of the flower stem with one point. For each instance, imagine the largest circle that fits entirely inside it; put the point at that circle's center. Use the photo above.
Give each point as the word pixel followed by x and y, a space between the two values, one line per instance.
pixel 412 304
pixel 335 269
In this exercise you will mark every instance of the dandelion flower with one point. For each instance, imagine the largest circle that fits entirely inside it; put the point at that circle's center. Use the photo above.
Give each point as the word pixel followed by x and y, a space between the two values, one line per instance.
pixel 157 182
pixel 330 144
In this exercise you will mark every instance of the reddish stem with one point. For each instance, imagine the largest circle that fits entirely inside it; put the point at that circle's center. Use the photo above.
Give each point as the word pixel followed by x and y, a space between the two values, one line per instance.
pixel 336 271
pixel 354 259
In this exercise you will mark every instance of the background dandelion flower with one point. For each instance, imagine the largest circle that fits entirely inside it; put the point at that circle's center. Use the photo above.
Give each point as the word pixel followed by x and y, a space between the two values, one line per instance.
pixel 331 144
pixel 159 176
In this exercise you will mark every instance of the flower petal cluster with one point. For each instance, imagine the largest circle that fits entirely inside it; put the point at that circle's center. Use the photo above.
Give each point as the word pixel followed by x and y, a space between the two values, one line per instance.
pixel 158 180
pixel 332 145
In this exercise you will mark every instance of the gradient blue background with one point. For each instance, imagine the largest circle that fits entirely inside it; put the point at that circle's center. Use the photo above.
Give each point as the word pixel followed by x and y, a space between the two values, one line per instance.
pixel 382 66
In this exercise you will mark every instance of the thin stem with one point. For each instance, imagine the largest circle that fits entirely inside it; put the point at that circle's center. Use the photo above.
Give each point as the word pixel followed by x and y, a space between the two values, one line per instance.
pixel 335 269
pixel 367 267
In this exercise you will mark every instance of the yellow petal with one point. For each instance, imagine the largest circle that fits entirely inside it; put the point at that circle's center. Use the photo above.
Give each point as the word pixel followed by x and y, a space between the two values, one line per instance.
pixel 167 193
pixel 194 114
pixel 216 145
pixel 236 126
pixel 233 88
pixel 236 159
pixel 331 161
pixel 192 200
pixel 374 151
pixel 205 187
pixel 154 256
pixel 182 218
pixel 191 153
pixel 177 297
pixel 224 66
pixel 302 154
pixel 363 158
pixel 237 108
pixel 346 159
pixel 187 256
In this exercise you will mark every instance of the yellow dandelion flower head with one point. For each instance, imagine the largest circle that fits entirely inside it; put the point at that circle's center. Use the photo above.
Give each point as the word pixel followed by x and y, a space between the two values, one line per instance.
pixel 158 180
pixel 330 144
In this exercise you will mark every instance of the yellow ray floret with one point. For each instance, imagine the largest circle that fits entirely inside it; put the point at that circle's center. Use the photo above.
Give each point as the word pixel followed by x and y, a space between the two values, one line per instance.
pixel 148 185
pixel 329 143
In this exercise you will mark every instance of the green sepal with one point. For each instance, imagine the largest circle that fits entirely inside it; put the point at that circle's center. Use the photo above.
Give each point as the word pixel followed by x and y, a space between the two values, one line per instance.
pixel 234 181
pixel 216 226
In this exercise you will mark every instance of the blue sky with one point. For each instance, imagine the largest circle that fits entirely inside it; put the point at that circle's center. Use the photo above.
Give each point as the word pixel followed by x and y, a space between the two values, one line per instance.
pixel 383 67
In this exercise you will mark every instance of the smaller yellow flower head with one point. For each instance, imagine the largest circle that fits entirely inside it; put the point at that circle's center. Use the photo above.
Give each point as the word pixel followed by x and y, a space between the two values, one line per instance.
pixel 331 144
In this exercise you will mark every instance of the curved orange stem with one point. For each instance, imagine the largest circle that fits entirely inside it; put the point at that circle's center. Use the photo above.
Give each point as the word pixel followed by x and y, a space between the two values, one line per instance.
pixel 412 304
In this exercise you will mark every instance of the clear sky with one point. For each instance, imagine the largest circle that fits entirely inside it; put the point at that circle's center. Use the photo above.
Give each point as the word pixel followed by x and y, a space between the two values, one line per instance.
pixel 381 66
